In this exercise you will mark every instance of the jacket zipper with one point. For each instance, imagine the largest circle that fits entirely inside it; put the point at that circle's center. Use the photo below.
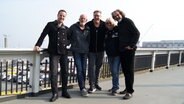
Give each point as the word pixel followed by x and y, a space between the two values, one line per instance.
pixel 96 39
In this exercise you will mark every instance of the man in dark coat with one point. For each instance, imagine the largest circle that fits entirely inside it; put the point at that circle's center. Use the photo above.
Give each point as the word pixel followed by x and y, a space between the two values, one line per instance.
pixel 57 33
pixel 96 50
pixel 128 38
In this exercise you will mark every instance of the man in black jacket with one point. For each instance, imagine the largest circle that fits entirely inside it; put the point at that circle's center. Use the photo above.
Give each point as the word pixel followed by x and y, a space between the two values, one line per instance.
pixel 128 38
pixel 96 50
pixel 57 33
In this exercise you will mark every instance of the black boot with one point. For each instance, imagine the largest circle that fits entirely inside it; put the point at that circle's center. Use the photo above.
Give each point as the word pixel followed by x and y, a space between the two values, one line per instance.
pixel 98 87
pixel 65 94
pixel 123 92
pixel 54 97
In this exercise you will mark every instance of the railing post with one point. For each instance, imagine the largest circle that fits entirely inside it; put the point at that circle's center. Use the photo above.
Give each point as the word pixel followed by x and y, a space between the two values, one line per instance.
pixel 35 74
pixel 153 61
pixel 180 57
pixel 168 60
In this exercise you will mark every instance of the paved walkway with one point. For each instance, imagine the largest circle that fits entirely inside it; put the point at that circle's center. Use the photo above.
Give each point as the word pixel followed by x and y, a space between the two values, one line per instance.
pixel 163 86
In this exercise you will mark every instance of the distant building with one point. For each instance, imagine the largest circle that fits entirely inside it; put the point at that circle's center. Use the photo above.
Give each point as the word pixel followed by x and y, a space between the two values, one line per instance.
pixel 164 44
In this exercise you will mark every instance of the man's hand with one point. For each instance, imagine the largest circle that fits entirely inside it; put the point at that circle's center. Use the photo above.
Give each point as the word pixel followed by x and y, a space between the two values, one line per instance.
pixel 129 48
pixel 36 48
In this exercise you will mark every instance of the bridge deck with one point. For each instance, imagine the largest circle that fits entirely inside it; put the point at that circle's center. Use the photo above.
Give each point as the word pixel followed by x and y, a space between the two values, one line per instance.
pixel 163 86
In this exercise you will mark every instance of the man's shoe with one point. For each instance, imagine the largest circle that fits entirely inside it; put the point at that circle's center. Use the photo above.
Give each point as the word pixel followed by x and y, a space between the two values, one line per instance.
pixel 84 93
pixel 54 98
pixel 110 90
pixel 123 92
pixel 114 93
pixel 66 95
pixel 127 96
pixel 98 87
pixel 91 90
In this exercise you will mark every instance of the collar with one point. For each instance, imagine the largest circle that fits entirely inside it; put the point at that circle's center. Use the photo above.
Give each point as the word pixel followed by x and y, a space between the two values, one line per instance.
pixel 62 26
pixel 120 20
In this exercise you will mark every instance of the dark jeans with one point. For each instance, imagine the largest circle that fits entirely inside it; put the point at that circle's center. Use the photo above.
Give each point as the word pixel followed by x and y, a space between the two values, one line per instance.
pixel 127 63
pixel 114 63
pixel 54 59
pixel 95 63
pixel 80 60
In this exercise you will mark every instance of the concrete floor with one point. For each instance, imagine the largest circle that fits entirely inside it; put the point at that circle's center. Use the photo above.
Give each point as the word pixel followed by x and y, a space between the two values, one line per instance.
pixel 163 86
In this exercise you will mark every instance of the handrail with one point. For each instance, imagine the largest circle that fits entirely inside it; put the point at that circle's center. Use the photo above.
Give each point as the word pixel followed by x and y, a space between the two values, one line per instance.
pixel 35 59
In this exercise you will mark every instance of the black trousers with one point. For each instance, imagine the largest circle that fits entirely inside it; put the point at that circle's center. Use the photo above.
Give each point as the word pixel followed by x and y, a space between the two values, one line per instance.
pixel 127 64
pixel 54 60
pixel 95 63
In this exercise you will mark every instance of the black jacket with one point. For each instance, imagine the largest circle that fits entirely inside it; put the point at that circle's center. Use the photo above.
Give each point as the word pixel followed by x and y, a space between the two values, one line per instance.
pixel 79 39
pixel 112 42
pixel 97 37
pixel 128 33
pixel 57 38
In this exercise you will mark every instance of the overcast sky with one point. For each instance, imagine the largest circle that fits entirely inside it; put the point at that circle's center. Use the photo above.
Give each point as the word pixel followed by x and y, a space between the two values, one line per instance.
pixel 23 20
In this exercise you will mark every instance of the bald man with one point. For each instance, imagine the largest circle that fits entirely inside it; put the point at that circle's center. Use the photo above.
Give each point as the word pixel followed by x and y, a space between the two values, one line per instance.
pixel 79 37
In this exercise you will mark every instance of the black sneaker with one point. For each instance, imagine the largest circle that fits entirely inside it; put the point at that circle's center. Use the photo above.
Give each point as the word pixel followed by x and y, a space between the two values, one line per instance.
pixel 127 96
pixel 91 90
pixel 123 92
pixel 98 87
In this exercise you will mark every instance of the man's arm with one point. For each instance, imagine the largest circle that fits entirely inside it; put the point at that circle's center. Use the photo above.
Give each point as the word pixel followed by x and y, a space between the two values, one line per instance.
pixel 41 38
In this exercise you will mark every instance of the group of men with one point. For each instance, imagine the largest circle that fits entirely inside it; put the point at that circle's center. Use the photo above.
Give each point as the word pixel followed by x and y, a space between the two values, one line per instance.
pixel 87 41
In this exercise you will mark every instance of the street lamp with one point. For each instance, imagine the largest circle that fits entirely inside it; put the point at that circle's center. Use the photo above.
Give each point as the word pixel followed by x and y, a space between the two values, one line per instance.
pixel 5 41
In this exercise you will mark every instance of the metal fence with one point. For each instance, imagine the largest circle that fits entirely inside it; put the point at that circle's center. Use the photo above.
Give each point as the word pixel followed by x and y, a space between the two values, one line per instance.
pixel 14 77
pixel 143 62
pixel 25 71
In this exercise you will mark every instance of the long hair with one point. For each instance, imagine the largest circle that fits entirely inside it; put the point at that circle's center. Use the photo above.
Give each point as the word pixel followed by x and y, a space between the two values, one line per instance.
pixel 120 12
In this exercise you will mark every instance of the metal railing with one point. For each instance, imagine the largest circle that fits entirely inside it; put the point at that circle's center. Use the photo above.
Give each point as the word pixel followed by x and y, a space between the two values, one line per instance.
pixel 26 71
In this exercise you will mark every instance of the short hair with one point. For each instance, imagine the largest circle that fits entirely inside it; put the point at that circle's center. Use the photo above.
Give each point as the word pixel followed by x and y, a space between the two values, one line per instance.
pixel 97 11
pixel 62 10
pixel 111 21
pixel 120 12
